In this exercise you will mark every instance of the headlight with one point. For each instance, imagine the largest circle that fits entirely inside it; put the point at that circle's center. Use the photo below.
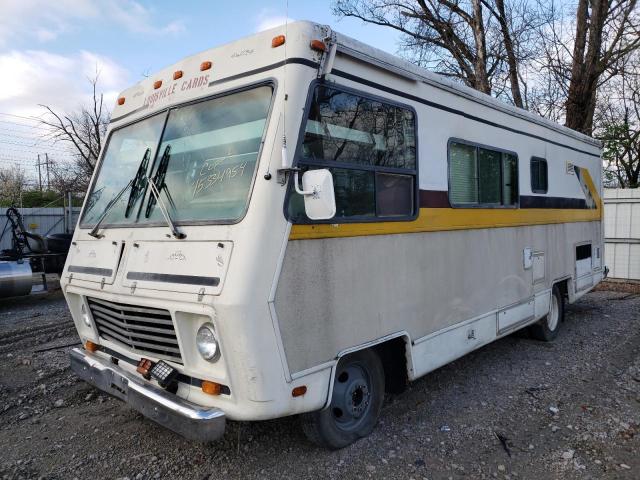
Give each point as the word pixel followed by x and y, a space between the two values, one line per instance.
pixel 207 342
pixel 85 317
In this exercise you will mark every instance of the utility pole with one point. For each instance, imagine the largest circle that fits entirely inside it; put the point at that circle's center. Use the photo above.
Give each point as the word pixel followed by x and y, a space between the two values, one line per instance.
pixel 46 156
pixel 46 165
pixel 70 220
pixel 39 174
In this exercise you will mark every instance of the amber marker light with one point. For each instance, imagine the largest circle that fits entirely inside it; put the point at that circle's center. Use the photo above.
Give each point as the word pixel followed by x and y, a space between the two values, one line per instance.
pixel 318 45
pixel 211 388
pixel 205 66
pixel 157 84
pixel 177 74
pixel 121 101
pixel 277 41
pixel 299 391
pixel 89 346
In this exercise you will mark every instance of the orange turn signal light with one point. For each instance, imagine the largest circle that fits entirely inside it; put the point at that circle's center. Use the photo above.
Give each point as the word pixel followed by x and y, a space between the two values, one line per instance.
pixel 318 45
pixel 205 66
pixel 89 346
pixel 211 388
pixel 277 41
pixel 157 84
pixel 121 101
pixel 299 391
pixel 177 74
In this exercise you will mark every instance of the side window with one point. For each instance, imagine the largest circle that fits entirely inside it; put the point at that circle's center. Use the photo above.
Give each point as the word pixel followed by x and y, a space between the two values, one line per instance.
pixel 481 176
pixel 369 147
pixel 539 175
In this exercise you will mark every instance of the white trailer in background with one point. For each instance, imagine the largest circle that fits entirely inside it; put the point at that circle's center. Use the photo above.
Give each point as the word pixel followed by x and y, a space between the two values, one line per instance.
pixel 295 222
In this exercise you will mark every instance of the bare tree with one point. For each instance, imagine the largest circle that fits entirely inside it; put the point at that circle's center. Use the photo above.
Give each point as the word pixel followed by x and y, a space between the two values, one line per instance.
pixel 480 42
pixel 83 131
pixel 449 36
pixel 606 32
pixel 69 176
pixel 554 60
pixel 12 184
pixel 617 123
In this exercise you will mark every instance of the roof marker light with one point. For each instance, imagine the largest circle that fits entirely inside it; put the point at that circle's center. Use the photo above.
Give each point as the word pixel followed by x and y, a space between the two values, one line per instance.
pixel 277 41
pixel 121 101
pixel 205 66
pixel 177 74
pixel 157 84
pixel 318 45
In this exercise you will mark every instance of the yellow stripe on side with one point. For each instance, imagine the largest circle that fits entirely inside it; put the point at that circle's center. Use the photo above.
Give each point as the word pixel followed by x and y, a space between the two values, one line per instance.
pixel 443 219
pixel 591 186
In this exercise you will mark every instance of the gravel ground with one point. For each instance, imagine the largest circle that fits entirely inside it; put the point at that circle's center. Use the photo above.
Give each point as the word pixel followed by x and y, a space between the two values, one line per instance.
pixel 514 409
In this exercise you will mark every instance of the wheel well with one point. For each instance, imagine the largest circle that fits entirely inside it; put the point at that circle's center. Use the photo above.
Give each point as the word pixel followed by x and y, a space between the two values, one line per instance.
pixel 562 286
pixel 393 354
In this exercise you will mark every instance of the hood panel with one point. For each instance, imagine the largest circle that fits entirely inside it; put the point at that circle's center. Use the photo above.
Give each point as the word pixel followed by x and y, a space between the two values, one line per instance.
pixel 190 267
pixel 94 261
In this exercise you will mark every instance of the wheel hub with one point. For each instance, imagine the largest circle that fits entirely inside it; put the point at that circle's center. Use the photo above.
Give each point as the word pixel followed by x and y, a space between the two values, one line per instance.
pixel 351 396
pixel 357 399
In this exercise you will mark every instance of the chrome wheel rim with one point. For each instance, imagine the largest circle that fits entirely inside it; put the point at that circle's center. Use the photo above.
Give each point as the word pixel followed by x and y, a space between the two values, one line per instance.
pixel 351 398
pixel 553 317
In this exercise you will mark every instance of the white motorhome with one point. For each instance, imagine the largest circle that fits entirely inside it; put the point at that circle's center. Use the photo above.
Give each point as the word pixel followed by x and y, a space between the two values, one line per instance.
pixel 295 222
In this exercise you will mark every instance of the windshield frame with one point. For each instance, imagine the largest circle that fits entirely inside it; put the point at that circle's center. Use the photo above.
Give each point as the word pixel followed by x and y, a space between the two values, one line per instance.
pixel 271 81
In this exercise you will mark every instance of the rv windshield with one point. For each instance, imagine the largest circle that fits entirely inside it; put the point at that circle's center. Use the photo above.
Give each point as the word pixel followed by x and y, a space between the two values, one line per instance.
pixel 204 162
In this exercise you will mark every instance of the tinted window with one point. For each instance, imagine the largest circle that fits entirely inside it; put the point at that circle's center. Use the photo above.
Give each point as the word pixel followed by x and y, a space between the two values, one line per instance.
pixel 369 147
pixel 342 127
pixel 489 178
pixel 539 176
pixel 482 176
pixel 509 179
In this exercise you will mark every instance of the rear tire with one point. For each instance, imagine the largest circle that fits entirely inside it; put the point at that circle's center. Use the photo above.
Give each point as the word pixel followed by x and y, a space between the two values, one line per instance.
pixel 356 402
pixel 547 328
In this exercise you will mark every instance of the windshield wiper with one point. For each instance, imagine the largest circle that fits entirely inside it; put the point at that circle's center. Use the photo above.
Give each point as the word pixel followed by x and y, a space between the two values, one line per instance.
pixel 157 185
pixel 172 226
pixel 138 186
pixel 133 184
pixel 159 180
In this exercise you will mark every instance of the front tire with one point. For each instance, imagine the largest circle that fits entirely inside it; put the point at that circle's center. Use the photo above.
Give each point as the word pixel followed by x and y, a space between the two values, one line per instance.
pixel 356 402
pixel 547 328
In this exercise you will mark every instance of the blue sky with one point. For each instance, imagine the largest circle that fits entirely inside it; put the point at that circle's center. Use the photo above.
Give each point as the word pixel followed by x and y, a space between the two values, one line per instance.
pixel 127 39
pixel 48 49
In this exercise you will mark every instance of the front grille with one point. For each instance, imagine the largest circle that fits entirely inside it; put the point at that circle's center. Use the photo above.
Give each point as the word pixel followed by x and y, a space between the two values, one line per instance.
pixel 141 329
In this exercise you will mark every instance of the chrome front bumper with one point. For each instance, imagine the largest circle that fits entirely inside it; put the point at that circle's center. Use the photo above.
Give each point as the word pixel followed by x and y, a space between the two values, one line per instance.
pixel 170 411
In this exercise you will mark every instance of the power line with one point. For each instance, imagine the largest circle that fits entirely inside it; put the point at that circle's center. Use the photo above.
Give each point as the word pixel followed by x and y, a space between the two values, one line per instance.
pixel 26 125
pixel 33 145
pixel 25 131
pixel 33 119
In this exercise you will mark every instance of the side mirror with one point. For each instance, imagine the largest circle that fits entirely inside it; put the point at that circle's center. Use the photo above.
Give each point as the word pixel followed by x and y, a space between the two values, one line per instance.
pixel 317 190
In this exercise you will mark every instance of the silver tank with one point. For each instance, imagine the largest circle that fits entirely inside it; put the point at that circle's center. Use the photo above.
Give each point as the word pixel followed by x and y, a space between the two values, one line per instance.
pixel 15 279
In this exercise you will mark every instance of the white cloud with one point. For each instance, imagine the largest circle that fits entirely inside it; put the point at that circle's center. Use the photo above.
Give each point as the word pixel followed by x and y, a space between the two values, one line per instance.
pixel 267 18
pixel 45 20
pixel 35 77
pixel 174 27
pixel 136 18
